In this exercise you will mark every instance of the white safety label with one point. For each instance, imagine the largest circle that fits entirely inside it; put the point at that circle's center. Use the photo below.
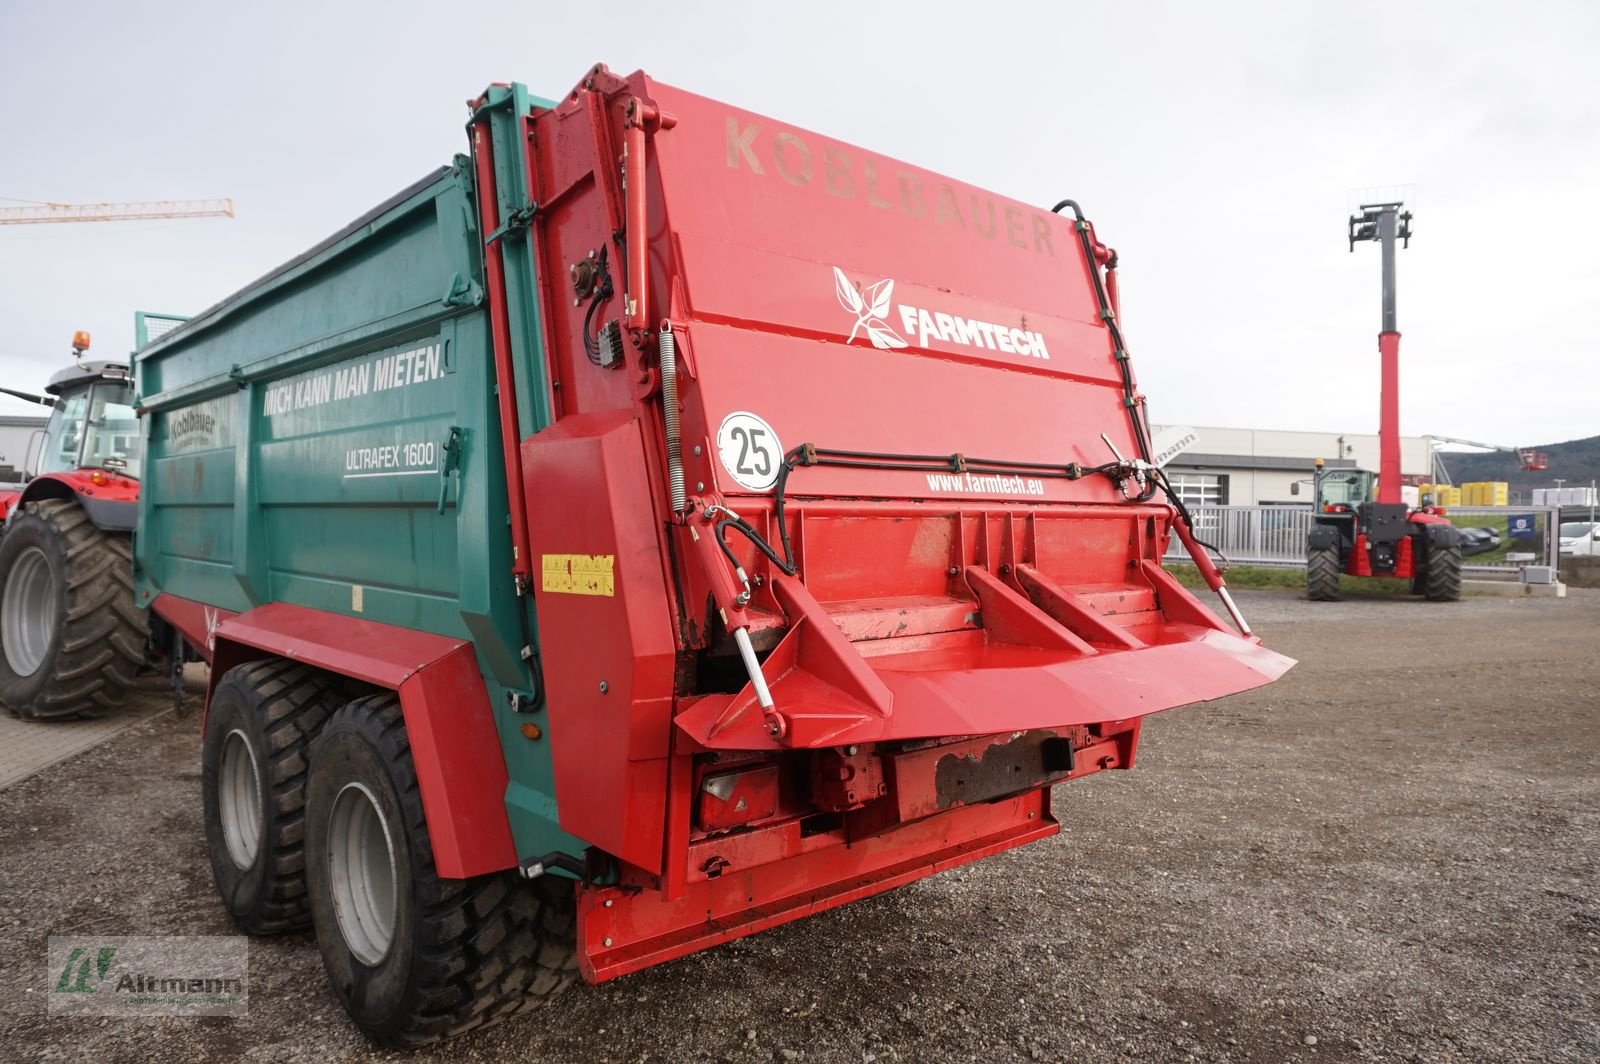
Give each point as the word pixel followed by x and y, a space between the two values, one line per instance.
pixel 392 460
pixel 749 450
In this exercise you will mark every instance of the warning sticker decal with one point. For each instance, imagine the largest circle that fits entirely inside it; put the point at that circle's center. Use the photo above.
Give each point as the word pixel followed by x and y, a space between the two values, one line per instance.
pixel 581 574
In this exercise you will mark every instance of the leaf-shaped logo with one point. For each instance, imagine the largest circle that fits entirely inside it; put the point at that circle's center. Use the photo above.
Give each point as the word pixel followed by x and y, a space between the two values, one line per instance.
pixel 883 337
pixel 878 297
pixel 849 298
pixel 871 308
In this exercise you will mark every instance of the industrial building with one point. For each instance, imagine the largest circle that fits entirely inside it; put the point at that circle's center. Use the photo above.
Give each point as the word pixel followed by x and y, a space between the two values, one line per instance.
pixel 1258 467
pixel 15 433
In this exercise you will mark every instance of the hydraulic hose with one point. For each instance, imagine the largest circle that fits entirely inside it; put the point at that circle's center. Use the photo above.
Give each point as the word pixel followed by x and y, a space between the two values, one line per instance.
pixel 1108 314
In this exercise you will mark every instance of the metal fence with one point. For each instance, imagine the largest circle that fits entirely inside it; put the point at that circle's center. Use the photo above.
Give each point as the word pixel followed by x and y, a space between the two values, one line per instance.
pixel 1276 535
pixel 1252 535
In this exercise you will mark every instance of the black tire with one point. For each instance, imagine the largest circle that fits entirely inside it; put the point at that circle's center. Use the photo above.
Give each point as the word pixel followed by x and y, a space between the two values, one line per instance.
pixel 1322 575
pixel 462 954
pixel 96 635
pixel 266 712
pixel 1441 574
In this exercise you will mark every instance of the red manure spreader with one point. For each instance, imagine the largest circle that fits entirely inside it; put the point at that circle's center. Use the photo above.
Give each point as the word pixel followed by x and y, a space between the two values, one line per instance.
pixel 661 524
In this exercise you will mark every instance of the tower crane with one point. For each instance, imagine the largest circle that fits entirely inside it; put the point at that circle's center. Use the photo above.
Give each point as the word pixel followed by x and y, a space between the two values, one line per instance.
pixel 116 212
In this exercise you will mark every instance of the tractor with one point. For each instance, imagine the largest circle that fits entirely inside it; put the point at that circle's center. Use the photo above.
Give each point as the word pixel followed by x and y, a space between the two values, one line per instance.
pixel 71 637
pixel 1361 525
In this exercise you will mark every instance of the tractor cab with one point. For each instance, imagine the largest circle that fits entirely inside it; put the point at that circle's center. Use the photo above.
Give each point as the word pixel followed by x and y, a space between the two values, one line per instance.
pixel 90 449
pixel 1341 491
pixel 92 425
pixel 1370 534
pixel 92 422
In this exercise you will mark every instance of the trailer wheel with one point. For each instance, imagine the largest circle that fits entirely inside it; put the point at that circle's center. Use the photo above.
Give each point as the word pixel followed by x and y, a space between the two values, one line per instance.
pixel 1441 577
pixel 415 957
pixel 253 762
pixel 71 638
pixel 1322 575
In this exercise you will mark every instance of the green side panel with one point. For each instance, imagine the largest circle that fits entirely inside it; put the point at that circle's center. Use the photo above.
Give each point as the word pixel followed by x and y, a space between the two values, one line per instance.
pixel 329 437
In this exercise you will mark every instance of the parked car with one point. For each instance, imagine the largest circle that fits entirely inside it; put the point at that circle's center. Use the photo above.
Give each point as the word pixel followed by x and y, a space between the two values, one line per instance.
pixel 1580 537
pixel 1477 540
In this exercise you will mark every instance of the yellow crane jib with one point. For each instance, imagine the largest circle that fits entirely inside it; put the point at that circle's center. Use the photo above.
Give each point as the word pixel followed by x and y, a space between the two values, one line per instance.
pixel 116 212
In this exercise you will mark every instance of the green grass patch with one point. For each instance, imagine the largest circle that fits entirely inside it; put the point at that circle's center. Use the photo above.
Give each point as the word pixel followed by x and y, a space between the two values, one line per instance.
pixel 1270 577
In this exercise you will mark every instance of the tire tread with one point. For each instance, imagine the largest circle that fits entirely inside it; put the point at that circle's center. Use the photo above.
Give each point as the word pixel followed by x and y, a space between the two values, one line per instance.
pixel 488 947
pixel 292 701
pixel 1322 575
pixel 102 646
pixel 1441 576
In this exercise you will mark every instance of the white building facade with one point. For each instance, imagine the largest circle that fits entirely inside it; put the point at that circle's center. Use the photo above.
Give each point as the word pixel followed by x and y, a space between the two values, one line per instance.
pixel 1256 467
pixel 15 434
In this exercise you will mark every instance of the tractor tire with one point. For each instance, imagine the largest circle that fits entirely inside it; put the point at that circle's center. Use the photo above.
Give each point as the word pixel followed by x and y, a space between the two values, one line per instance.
pixel 254 758
pixel 415 957
pixel 1322 575
pixel 1441 574
pixel 71 638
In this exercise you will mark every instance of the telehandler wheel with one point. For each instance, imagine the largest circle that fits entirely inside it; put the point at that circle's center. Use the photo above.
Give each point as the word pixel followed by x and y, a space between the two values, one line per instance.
pixel 1322 575
pixel 253 763
pixel 415 957
pixel 1441 575
pixel 71 638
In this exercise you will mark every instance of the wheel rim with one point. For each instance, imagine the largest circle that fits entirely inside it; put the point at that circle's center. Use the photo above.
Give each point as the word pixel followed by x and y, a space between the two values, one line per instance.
pixel 361 866
pixel 28 612
pixel 239 799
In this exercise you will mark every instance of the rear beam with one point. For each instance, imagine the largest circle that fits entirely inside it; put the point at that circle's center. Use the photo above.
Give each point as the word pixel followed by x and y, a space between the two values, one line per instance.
pixel 621 931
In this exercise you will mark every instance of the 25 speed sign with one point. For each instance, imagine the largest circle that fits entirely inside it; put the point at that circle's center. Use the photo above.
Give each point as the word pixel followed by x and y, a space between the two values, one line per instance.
pixel 749 450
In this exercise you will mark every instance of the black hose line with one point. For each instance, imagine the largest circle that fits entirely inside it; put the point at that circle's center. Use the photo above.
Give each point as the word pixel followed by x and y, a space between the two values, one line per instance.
pixel 753 536
pixel 1136 409
pixel 1130 399
pixel 811 455
pixel 603 291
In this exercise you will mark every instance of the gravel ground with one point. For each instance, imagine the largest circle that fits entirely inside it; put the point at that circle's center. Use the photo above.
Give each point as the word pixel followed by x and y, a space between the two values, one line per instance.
pixel 1391 854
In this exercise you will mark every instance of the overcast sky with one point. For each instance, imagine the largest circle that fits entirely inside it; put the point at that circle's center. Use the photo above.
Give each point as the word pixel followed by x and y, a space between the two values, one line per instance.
pixel 1217 146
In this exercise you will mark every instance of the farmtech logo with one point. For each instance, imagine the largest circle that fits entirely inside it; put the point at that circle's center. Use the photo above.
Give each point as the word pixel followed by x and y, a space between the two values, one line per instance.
pixel 871 308
pixel 873 305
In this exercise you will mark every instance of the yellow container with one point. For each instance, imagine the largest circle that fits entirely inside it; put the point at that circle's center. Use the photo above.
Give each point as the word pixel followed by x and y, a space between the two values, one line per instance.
pixel 1445 495
pixel 1500 493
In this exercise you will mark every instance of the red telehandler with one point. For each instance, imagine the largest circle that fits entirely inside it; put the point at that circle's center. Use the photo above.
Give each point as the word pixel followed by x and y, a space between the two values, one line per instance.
pixel 1361 525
